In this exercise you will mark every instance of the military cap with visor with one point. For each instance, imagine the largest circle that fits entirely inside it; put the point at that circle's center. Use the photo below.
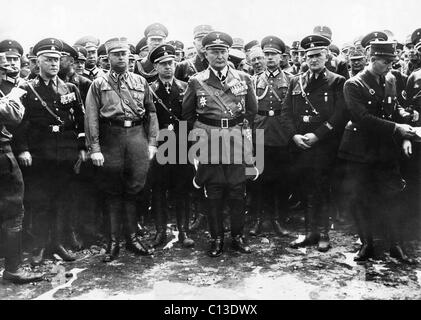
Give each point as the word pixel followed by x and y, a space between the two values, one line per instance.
pixel 89 42
pixel 4 64
pixel 314 44
pixel 82 52
pixel 50 47
pixel 117 45
pixel 69 51
pixel 251 44
pixel 324 31
pixel 162 53
pixel 217 40
pixel 11 48
pixel 272 44
pixel 156 30
pixel 373 36
pixel 416 38
pixel 141 45
pixel 383 49
pixel 202 30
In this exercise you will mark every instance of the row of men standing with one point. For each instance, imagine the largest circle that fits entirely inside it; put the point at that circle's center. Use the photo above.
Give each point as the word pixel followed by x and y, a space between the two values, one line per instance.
pixel 120 104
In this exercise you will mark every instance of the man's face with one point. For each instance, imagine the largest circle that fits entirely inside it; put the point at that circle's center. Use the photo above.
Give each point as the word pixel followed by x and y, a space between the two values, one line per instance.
pixel 33 66
pixel 79 66
pixel 273 60
pixel 217 57
pixel 165 69
pixel 144 53
pixel 91 58
pixel 285 60
pixel 14 62
pixel 48 65
pixel 357 64
pixel 316 62
pixel 382 66
pixel 258 64
pixel 119 61
pixel 179 55
pixel 66 64
pixel 298 56
pixel 197 42
pixel 132 62
pixel 154 41
pixel 104 63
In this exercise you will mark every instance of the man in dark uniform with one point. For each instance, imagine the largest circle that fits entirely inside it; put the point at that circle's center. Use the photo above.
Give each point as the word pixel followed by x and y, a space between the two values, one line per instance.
pixel 47 143
pixel 91 45
pixel 357 61
pixel 218 101
pixel 179 50
pixel 79 64
pixel 33 67
pixel 314 112
pixel 298 57
pixel 11 186
pixel 103 62
pixel 168 95
pixel 121 130
pixel 333 63
pixel 414 55
pixel 13 51
pixel 271 89
pixel 155 34
pixel 372 144
pixel 190 67
pixel 132 58
pixel 142 48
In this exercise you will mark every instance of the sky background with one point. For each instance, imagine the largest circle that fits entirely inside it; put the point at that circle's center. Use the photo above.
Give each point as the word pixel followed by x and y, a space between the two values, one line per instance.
pixel 248 19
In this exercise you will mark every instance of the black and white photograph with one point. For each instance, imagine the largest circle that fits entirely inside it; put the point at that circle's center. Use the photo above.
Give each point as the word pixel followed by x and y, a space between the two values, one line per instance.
pixel 207 156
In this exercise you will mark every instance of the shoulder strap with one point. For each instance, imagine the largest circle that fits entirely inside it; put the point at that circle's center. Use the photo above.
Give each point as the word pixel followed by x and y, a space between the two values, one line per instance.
pixel 164 106
pixel 218 101
pixel 303 94
pixel 131 104
pixel 44 104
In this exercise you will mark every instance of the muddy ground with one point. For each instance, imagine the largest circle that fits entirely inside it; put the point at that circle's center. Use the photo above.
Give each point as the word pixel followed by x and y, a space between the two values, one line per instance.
pixel 271 271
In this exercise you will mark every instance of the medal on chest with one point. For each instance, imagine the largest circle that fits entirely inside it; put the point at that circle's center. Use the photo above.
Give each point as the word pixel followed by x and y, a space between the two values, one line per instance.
pixel 68 98
pixel 239 88
pixel 202 102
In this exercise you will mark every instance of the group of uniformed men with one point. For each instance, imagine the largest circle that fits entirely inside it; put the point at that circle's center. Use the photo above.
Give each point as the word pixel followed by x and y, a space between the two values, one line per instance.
pixel 336 127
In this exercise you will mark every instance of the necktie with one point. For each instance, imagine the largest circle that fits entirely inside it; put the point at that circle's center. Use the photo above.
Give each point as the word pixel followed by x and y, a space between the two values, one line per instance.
pixel 221 76
pixel 313 77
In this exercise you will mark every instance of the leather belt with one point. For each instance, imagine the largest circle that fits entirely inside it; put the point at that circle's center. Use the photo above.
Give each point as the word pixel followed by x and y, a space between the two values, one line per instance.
pixel 221 123
pixel 310 119
pixel 269 113
pixel 122 123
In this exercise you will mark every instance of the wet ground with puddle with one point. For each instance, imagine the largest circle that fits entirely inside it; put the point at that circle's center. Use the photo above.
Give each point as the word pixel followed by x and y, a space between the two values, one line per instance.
pixel 271 271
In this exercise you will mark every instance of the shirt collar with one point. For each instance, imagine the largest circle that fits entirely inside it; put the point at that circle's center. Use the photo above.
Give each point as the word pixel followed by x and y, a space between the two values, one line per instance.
pixel 317 75
pixel 54 80
pixel 223 71
pixel 115 76
pixel 272 74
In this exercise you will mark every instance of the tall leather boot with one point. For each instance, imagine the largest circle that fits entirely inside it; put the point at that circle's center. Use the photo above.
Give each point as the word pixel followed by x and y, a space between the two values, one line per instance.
pixel 276 214
pixel 216 228
pixel 57 243
pixel 312 236
pixel 133 243
pixel 12 265
pixel 113 209
pixel 256 210
pixel 159 205
pixel 237 216
pixel 365 232
pixel 323 226
pixel 182 211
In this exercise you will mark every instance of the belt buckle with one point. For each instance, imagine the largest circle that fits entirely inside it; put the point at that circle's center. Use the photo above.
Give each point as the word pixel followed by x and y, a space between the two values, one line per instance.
pixel 55 128
pixel 224 123
pixel 306 119
pixel 271 113
pixel 128 123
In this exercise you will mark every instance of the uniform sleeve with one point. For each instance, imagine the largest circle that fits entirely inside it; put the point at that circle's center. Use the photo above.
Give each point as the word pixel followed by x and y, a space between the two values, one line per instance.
pixel 188 111
pixel 287 116
pixel 151 117
pixel 93 105
pixel 21 134
pixel 180 71
pixel 337 121
pixel 79 119
pixel 251 101
pixel 11 109
pixel 356 105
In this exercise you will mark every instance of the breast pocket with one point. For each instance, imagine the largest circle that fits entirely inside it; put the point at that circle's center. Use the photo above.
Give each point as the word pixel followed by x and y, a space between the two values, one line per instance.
pixel 138 93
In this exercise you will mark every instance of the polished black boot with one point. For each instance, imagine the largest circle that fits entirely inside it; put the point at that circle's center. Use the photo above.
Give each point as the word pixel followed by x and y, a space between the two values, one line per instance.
pixel 312 235
pixel 366 251
pixel 38 256
pixel 277 217
pixel 398 253
pixel 133 243
pixel 324 242
pixel 75 240
pixel 216 247
pixel 113 209
pixel 182 211
pixel 215 227
pixel 58 236
pixel 256 229
pixel 13 271
pixel 160 237
pixel 62 252
pixel 279 229
pixel 239 244
pixel 159 205
pixel 137 247
pixel 198 223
